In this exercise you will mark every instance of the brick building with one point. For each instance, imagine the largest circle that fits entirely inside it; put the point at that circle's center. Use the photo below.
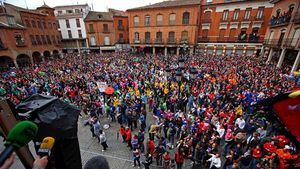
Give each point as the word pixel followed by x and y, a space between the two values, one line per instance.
pixel 27 36
pixel 164 27
pixel 120 19
pixel 282 42
pixel 235 26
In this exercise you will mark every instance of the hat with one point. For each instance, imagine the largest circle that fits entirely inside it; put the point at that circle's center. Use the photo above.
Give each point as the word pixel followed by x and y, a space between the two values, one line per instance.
pixel 96 163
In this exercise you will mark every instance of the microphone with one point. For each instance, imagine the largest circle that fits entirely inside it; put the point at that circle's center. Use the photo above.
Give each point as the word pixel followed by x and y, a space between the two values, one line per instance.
pixel 46 146
pixel 20 135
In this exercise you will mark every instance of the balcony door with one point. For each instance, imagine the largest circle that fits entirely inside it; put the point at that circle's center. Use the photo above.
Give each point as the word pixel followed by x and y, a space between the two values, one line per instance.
pixel 222 35
pixel 232 34
pixel 147 37
pixel 171 36
pixel 106 40
pixel 296 37
pixel 281 37
pixel 158 36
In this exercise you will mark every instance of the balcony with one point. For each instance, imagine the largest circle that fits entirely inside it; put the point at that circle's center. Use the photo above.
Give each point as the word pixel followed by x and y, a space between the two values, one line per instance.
pixel 206 20
pixel 106 31
pixel 121 41
pixel 258 19
pixel 230 40
pixel 121 28
pixel 290 43
pixel 184 41
pixel 147 41
pixel 235 19
pixel 20 43
pixel 158 41
pixel 171 41
pixel 136 41
pixel 272 42
pixel 296 17
pixel 281 20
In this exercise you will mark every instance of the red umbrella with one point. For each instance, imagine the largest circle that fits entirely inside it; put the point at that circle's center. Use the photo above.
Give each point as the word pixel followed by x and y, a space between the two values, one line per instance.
pixel 109 90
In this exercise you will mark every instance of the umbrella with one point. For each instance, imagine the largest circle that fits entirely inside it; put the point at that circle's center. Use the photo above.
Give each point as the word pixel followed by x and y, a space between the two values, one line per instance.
pixel 53 116
pixel 109 90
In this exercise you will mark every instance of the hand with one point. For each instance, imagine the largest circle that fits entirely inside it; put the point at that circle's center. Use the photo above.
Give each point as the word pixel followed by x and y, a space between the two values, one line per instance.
pixel 40 163
pixel 8 163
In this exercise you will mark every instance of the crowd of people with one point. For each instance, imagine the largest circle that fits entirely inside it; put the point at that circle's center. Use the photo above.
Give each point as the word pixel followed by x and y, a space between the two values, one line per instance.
pixel 210 119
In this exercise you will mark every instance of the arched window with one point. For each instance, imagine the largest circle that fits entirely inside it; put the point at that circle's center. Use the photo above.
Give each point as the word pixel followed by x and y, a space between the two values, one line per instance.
pixel 159 19
pixel 147 20
pixel 136 36
pixel 147 37
pixel 171 38
pixel 186 18
pixel 291 8
pixel 184 35
pixel 278 11
pixel 136 21
pixel 172 19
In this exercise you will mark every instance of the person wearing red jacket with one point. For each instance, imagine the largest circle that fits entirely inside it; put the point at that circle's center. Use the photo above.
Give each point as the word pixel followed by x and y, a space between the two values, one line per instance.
pixel 151 147
pixel 179 158
pixel 128 137
pixel 123 133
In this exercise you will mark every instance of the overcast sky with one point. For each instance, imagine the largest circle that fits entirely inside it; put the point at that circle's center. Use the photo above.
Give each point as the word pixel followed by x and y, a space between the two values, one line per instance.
pixel 99 5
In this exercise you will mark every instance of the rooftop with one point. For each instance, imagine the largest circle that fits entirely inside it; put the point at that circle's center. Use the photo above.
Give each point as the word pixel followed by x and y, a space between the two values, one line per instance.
pixel 98 16
pixel 20 9
pixel 170 3
pixel 68 6
pixel 116 12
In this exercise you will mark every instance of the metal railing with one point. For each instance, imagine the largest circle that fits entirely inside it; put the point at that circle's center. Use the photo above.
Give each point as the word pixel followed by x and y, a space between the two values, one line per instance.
pixel 136 41
pixel 272 42
pixel 230 40
pixel 290 42
pixel 147 41
pixel 158 41
pixel 171 41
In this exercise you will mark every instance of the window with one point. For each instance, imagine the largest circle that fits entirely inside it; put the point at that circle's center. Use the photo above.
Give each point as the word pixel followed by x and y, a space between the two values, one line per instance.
pixel 136 21
pixel 27 23
pixel 49 25
pixel 247 14
pixel 77 11
pixel 105 28
pixel 53 39
pixel 136 36
pixel 78 23
pixel 93 41
pixel 19 40
pixel 260 13
pixel 236 14
pixel 222 33
pixel 39 24
pixel 67 23
pixel 147 20
pixel 147 37
pixel 44 39
pixel 11 20
pixel 184 35
pixel 171 37
pixel 79 34
pixel 120 24
pixel 33 42
pixel 33 24
pixel 44 25
pixel 91 28
pixel 186 18
pixel 172 19
pixel 159 19
pixel 59 12
pixel 278 11
pixel 204 33
pixel 69 11
pixel 38 40
pixel 48 39
pixel 225 15
pixel 106 40
pixel 69 34
pixel 121 38
pixel 158 37
pixel 291 8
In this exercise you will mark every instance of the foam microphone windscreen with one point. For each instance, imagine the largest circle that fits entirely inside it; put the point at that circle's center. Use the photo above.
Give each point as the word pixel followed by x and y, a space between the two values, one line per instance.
pixel 21 134
pixel 46 146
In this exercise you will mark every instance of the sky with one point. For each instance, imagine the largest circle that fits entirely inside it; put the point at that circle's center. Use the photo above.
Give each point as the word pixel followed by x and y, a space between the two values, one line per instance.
pixel 99 5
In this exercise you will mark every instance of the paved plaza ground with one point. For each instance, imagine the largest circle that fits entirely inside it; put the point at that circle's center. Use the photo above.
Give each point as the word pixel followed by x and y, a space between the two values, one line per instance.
pixel 118 154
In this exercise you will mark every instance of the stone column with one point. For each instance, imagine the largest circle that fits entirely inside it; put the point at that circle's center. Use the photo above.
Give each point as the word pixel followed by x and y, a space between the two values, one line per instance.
pixel 177 50
pixel 43 57
pixel 282 55
pixel 262 52
pixel 78 46
pixel 15 63
pixel 153 50
pixel 270 56
pixel 296 63
pixel 166 51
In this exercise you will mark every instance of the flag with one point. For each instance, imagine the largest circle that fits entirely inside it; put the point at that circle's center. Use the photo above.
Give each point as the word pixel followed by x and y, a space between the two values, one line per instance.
pixel 239 110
